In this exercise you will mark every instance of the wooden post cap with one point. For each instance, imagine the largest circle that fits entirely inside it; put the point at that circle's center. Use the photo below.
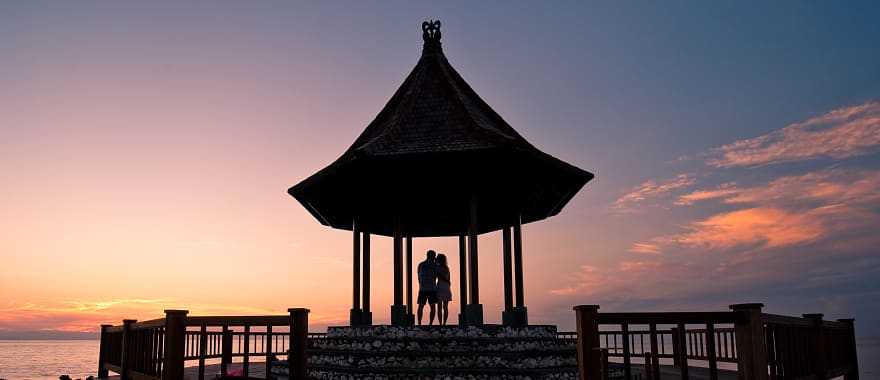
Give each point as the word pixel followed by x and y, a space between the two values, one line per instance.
pixel 813 316
pixel 586 307
pixel 747 306
pixel 128 321
pixel 298 310
pixel 174 311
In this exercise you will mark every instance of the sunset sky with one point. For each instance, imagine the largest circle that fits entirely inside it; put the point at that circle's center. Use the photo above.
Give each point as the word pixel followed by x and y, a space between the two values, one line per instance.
pixel 146 150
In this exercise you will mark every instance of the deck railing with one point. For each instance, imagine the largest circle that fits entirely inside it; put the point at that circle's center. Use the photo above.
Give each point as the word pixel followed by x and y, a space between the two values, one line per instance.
pixel 763 346
pixel 158 349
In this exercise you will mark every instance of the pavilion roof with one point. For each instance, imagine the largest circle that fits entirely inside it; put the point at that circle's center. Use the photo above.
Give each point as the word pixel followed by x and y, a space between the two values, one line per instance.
pixel 435 129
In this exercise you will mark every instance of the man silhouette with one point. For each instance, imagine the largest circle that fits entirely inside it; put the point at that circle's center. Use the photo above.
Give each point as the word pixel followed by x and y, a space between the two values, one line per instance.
pixel 428 285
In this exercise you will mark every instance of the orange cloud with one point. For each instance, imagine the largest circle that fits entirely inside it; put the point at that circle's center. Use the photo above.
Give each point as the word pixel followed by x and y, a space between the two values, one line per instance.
pixel 842 133
pixel 767 227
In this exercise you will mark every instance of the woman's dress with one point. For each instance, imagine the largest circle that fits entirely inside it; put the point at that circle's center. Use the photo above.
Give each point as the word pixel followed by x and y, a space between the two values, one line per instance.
pixel 444 292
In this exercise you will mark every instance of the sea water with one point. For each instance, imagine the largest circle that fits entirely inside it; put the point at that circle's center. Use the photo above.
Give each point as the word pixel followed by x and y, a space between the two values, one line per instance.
pixel 47 359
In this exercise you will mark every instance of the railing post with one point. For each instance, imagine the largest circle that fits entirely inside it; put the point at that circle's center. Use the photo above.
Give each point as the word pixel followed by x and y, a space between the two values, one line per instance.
pixel 750 346
pixel 299 335
pixel 203 349
pixel 225 350
pixel 175 344
pixel 126 347
pixel 819 364
pixel 675 348
pixel 102 353
pixel 268 351
pixel 588 352
pixel 853 373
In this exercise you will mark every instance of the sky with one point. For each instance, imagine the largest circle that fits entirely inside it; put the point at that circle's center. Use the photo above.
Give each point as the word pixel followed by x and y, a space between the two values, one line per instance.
pixel 146 150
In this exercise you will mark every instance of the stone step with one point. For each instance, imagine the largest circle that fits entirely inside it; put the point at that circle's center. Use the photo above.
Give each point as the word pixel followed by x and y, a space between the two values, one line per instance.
pixel 442 345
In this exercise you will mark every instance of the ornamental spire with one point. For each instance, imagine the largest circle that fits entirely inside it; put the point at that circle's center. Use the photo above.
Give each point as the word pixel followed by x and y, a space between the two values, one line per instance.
pixel 431 35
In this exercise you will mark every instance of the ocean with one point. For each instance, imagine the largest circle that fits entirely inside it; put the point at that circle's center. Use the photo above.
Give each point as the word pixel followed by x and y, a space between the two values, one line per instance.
pixel 48 359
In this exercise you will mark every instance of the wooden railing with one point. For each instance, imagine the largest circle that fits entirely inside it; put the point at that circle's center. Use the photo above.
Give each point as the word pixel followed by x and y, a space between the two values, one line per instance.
pixel 763 346
pixel 159 348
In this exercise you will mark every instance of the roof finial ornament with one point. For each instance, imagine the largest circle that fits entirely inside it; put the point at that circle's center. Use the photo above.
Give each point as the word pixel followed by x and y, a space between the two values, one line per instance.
pixel 431 31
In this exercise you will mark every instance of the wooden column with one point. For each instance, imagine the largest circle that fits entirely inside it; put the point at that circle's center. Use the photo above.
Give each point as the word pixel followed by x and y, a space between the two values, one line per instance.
pixel 299 336
pixel 175 344
pixel 127 350
pixel 366 315
pixel 475 309
pixel 751 348
pixel 506 315
pixel 398 309
pixel 520 313
pixel 588 352
pixel 409 275
pixel 355 313
pixel 102 353
pixel 462 279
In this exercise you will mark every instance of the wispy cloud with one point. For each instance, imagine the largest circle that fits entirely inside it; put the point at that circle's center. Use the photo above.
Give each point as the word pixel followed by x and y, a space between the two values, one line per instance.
pixel 651 190
pixel 648 248
pixel 842 133
pixel 721 191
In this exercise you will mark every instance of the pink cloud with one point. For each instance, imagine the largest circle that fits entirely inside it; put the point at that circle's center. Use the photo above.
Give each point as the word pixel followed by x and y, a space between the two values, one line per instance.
pixel 829 185
pixel 651 189
pixel 842 133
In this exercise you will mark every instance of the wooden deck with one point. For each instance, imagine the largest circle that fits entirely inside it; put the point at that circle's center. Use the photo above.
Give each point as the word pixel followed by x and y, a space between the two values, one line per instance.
pixel 257 369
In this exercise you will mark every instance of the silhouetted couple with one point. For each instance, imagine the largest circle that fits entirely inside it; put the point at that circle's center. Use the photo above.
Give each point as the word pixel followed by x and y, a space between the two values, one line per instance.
pixel 434 287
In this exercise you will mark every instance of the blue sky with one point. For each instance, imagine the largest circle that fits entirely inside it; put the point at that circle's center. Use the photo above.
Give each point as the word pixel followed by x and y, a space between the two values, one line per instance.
pixel 703 121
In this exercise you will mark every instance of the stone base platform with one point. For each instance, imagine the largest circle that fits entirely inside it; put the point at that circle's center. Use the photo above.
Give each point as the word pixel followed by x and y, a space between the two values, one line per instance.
pixel 439 352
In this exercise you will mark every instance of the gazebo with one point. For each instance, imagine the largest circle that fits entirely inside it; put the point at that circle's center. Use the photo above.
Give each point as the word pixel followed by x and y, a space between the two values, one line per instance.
pixel 438 161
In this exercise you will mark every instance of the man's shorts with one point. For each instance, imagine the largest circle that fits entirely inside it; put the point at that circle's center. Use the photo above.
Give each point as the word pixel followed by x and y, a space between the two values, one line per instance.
pixel 427 295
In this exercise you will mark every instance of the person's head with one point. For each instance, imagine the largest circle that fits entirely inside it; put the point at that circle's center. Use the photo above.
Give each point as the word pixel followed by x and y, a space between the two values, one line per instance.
pixel 441 259
pixel 431 255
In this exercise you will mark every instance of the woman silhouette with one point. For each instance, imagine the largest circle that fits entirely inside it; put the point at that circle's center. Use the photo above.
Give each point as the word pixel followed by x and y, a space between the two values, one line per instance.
pixel 444 292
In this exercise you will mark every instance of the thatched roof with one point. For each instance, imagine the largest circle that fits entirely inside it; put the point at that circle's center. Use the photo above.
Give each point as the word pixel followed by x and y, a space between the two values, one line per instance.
pixel 431 148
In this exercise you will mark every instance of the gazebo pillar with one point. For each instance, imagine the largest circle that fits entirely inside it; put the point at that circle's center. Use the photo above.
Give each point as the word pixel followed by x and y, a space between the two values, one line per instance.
pixel 474 314
pixel 409 280
pixel 462 279
pixel 354 316
pixel 366 315
pixel 520 314
pixel 399 315
pixel 507 316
